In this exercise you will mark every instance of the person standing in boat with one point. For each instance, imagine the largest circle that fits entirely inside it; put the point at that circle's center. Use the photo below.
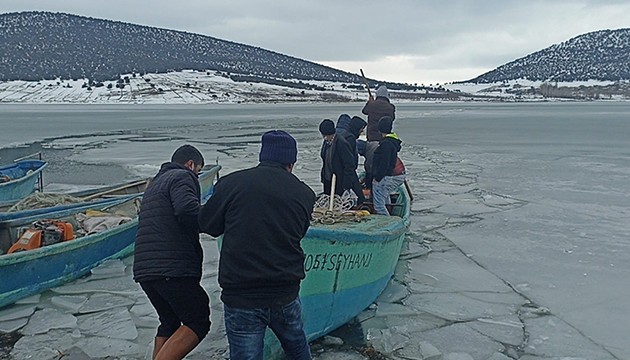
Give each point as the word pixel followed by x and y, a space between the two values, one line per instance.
pixel 337 158
pixel 384 162
pixel 375 109
pixel 168 256
pixel 263 213
pixel 351 181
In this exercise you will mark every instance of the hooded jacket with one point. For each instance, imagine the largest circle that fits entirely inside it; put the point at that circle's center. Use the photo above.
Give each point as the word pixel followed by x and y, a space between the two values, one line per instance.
pixel 167 240
pixel 385 156
pixel 375 109
pixel 339 157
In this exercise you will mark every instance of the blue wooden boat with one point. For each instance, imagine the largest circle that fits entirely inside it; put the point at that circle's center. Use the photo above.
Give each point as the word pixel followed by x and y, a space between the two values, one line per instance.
pixel 30 272
pixel 19 179
pixel 91 197
pixel 348 264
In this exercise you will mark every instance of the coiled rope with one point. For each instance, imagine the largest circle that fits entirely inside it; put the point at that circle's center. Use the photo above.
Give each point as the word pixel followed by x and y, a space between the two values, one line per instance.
pixel 322 214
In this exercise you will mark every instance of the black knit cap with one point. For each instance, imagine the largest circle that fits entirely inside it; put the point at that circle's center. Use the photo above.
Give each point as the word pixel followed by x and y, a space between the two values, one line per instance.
pixel 385 125
pixel 278 146
pixel 327 127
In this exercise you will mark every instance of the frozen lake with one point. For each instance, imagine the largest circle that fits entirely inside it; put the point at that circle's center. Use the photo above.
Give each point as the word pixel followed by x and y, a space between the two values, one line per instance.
pixel 519 240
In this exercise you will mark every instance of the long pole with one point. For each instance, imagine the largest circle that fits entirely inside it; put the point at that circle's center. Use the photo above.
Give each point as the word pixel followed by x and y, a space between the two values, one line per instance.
pixel 366 84
pixel 332 192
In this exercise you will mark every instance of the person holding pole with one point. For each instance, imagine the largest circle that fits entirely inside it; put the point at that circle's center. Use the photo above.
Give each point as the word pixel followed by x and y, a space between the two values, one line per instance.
pixel 375 109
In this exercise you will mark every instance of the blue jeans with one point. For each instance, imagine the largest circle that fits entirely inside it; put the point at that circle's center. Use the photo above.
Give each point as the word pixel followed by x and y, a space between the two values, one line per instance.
pixel 382 189
pixel 246 328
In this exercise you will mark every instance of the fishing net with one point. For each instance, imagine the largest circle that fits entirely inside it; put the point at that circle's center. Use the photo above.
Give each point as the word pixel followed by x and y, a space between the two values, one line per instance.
pixel 341 209
pixel 41 200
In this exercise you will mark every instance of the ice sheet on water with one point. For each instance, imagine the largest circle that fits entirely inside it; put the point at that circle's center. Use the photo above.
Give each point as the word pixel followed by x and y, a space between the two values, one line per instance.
pixel 101 347
pixel 29 300
pixel 394 292
pixel 144 314
pixel 389 309
pixel 457 306
pixel 469 341
pixel 147 321
pixel 108 268
pixel 114 323
pixel 507 330
pixel 339 355
pixel 9 326
pixel 48 346
pixel 72 303
pixel 16 312
pixel 549 336
pixel 386 341
pixel 452 271
pixel 457 356
pixel 44 320
pixel 100 302
pixel 119 285
pixel 420 351
pixel 142 307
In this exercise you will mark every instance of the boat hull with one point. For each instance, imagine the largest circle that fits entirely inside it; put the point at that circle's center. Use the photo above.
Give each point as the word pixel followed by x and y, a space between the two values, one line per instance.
pixel 30 272
pixel 23 183
pixel 347 265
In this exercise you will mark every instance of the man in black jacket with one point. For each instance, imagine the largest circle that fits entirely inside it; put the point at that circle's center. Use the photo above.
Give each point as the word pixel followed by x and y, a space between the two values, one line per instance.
pixel 168 256
pixel 338 159
pixel 375 109
pixel 262 213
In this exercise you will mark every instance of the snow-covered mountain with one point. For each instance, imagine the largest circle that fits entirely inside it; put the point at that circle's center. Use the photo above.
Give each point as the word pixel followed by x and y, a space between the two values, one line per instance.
pixel 45 45
pixel 600 55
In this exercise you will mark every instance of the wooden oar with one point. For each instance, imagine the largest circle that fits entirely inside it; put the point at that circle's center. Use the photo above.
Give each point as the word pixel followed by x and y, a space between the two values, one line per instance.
pixel 366 84
pixel 408 190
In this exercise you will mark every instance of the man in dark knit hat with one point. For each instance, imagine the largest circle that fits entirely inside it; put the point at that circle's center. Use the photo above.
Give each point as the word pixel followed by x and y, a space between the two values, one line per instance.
pixel 263 213
pixel 327 129
pixel 384 162
pixel 375 109
pixel 338 157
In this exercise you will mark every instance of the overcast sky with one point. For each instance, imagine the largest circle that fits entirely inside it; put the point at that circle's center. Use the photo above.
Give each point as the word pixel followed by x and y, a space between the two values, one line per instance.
pixel 410 41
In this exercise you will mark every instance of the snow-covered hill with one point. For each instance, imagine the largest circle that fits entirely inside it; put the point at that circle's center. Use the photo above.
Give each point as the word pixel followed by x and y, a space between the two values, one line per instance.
pixel 601 55
pixel 175 87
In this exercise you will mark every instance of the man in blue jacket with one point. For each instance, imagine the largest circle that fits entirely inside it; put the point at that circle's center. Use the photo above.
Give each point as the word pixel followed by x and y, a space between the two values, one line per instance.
pixel 168 255
pixel 263 213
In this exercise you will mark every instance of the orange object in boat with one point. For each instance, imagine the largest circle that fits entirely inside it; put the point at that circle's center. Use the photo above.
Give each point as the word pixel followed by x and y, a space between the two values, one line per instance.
pixel 43 233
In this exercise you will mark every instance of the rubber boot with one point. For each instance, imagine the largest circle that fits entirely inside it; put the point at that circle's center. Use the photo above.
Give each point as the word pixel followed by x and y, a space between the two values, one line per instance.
pixel 178 345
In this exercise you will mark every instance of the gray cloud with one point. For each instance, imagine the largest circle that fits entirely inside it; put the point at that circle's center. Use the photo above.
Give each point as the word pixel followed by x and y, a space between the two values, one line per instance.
pixel 431 36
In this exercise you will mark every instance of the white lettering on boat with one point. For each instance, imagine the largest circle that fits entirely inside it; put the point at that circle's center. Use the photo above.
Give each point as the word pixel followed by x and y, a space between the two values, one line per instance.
pixel 339 261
